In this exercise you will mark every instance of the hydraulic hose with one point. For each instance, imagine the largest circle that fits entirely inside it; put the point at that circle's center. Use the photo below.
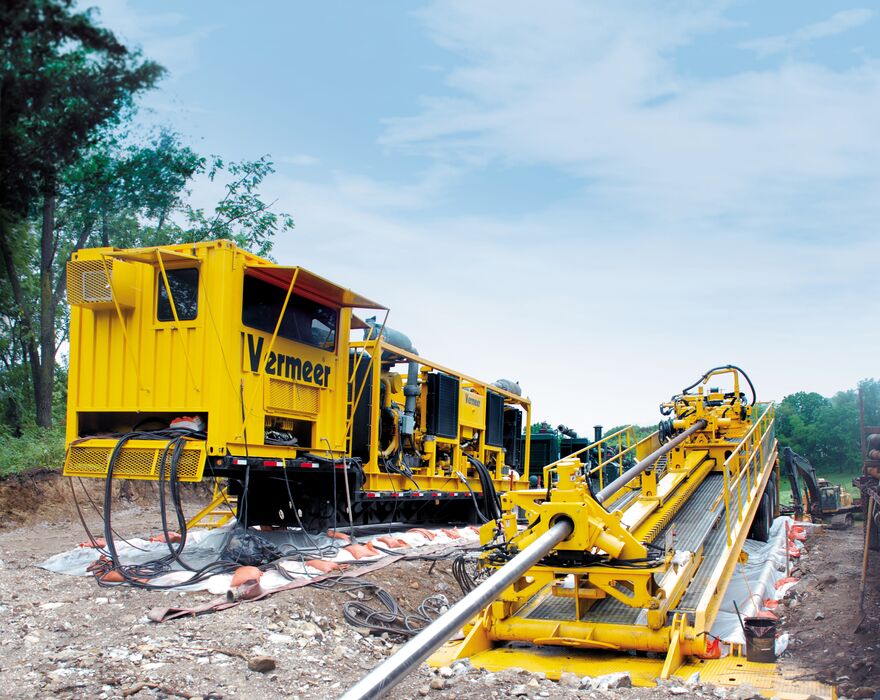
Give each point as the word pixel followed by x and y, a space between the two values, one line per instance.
pixel 733 367
pixel 391 671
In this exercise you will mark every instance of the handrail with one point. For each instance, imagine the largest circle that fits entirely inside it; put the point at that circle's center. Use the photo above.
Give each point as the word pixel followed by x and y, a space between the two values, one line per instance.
pixel 752 448
pixel 405 354
pixel 631 443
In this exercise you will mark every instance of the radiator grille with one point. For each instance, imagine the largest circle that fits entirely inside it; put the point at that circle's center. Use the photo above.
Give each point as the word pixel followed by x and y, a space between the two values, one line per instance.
pixel 290 397
pixel 135 462
pixel 87 282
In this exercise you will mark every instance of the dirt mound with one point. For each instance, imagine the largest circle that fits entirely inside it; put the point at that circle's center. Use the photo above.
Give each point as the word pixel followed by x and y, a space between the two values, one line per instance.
pixel 42 495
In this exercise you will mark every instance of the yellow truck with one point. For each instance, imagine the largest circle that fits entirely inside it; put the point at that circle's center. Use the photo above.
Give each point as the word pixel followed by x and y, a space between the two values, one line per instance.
pixel 204 361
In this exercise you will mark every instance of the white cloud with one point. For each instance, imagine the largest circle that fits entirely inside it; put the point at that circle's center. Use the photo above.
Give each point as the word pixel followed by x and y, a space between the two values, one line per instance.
pixel 720 219
pixel 594 89
pixel 300 159
pixel 727 219
pixel 597 328
pixel 838 23
pixel 161 35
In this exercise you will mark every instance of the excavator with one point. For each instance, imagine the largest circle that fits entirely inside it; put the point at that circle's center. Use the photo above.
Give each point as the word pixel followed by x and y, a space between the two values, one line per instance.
pixel 815 497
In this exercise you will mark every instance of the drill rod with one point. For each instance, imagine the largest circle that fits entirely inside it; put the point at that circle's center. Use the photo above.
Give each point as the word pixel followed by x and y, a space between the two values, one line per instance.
pixel 647 462
pixel 388 673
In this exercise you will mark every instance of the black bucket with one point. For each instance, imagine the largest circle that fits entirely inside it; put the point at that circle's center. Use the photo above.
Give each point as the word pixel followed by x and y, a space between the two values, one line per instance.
pixel 760 639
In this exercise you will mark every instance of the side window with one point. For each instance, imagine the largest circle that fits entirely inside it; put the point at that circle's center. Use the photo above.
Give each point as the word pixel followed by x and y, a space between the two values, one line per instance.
pixel 305 321
pixel 184 286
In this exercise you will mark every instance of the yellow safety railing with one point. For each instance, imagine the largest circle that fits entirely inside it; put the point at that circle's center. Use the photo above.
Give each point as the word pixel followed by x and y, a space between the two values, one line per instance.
pixel 745 463
pixel 622 443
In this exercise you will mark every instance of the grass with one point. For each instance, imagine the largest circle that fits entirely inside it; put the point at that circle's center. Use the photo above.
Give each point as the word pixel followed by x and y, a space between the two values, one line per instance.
pixel 36 448
pixel 843 479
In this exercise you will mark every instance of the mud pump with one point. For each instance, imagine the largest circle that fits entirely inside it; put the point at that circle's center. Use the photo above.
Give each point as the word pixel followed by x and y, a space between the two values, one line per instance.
pixel 626 577
pixel 204 361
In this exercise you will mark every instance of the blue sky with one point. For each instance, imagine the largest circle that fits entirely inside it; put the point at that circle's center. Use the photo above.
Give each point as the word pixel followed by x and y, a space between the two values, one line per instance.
pixel 600 200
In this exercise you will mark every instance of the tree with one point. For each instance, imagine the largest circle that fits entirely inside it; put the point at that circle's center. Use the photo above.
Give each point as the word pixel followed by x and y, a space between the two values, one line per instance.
pixel 825 431
pixel 242 215
pixel 869 390
pixel 63 81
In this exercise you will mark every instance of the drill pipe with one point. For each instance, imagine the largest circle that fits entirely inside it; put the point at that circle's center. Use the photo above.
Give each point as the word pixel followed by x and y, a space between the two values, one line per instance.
pixel 387 674
pixel 643 465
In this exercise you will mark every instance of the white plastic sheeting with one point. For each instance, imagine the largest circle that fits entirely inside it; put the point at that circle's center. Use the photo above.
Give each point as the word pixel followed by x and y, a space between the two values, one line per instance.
pixel 754 582
pixel 203 547
pixel 751 584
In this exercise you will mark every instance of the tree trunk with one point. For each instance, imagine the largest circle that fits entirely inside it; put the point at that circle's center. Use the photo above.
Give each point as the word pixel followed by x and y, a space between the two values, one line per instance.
pixel 47 314
pixel 30 338
pixel 105 232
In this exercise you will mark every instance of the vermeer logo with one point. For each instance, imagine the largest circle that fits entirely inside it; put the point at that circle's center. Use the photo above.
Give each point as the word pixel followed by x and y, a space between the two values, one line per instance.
pixel 286 366
pixel 472 400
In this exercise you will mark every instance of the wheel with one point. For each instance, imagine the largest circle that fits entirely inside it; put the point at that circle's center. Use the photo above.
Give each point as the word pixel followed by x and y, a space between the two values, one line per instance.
pixel 771 490
pixel 760 530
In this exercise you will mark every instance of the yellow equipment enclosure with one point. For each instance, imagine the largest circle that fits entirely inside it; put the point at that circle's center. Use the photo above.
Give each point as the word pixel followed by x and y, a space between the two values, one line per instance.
pixel 278 386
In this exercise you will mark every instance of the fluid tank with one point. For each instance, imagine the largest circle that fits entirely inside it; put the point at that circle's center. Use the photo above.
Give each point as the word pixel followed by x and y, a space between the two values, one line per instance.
pixel 394 337
pixel 509 386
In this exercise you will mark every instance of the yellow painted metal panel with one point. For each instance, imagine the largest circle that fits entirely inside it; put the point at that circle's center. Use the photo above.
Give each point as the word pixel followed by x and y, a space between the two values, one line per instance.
pixel 138 459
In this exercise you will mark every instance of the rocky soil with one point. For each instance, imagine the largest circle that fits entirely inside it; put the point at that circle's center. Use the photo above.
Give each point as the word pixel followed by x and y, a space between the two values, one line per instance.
pixel 832 639
pixel 68 637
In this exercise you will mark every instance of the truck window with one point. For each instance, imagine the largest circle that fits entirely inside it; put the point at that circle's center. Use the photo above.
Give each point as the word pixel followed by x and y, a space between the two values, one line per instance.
pixel 305 321
pixel 184 284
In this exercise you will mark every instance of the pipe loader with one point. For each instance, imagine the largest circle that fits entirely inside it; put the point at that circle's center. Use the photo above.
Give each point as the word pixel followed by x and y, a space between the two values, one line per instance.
pixel 626 577
pixel 203 361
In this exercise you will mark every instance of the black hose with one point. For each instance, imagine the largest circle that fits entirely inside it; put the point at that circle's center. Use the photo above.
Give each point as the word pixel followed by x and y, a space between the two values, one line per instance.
pixel 714 369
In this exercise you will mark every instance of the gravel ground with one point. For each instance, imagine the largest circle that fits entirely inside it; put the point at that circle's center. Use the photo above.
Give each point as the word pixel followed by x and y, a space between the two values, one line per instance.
pixel 68 637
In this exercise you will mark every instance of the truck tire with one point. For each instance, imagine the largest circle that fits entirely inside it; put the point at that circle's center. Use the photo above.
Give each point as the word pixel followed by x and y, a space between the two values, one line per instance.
pixel 874 541
pixel 760 530
pixel 771 491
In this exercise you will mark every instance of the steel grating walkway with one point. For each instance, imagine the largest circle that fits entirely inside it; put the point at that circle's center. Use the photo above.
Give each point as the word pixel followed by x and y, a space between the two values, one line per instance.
pixel 695 524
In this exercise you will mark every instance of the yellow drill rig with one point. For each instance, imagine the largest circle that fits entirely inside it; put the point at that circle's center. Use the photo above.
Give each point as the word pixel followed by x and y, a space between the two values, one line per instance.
pixel 626 576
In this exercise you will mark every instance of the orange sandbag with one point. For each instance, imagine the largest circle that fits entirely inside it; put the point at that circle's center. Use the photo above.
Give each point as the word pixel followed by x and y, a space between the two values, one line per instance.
pixel 781 582
pixel 172 537
pixel 99 543
pixel 323 565
pixel 451 533
pixel 425 533
pixel 392 542
pixel 338 535
pixel 113 576
pixel 245 574
pixel 359 551
pixel 771 604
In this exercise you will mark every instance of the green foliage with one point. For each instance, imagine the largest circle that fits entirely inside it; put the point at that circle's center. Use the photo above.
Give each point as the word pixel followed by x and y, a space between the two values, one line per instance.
pixel 62 78
pixel 72 176
pixel 34 448
pixel 641 431
pixel 242 215
pixel 123 194
pixel 870 395
pixel 826 430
